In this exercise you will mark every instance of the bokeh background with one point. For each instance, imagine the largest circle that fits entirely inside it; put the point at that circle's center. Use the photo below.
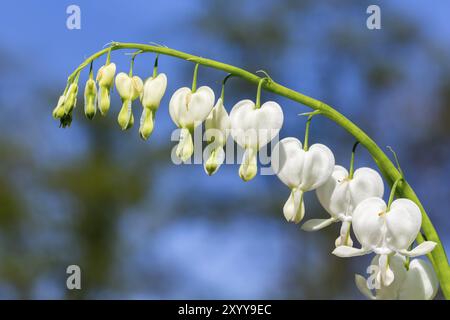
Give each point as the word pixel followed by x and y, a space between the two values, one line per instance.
pixel 140 226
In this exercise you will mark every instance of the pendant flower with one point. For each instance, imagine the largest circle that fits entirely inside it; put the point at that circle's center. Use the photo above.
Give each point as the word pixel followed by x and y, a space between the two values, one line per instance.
pixel 105 79
pixel 188 110
pixel 340 195
pixel 252 128
pixel 90 95
pixel 129 89
pixel 417 281
pixel 386 231
pixel 217 126
pixel 153 91
pixel 301 171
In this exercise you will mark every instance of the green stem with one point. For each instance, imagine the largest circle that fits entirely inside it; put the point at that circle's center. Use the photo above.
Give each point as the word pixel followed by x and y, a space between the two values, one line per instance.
pixel 392 195
pixel 387 168
pixel 258 93
pixel 194 78
pixel 224 81
pixel 155 66
pixel 352 161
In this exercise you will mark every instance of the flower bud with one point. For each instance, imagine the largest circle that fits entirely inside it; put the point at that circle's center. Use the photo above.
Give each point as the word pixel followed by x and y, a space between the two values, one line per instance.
pixel 70 100
pixel 90 94
pixel 146 125
pixel 249 167
pixel 153 91
pixel 215 157
pixel 185 147
pixel 105 79
pixel 129 89
pixel 59 111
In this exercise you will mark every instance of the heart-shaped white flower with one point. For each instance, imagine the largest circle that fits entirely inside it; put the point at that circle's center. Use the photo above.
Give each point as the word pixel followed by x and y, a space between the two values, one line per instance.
pixel 129 89
pixel 217 126
pixel 152 93
pixel 340 195
pixel 105 79
pixel 418 282
pixel 252 128
pixel 386 232
pixel 301 171
pixel 188 110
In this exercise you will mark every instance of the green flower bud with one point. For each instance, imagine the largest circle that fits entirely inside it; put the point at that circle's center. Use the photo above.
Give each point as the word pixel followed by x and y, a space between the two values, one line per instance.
pixel 90 94
pixel 59 111
pixel 125 117
pixel 214 161
pixel 185 147
pixel 146 126
pixel 71 98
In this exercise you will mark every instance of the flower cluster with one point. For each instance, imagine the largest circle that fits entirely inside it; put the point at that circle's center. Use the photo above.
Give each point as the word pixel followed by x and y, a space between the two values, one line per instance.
pixel 353 198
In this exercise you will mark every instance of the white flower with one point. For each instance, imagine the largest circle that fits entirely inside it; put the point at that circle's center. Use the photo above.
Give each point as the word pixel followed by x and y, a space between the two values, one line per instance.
pixel 417 282
pixel 217 126
pixel 341 194
pixel 90 94
pixel 188 110
pixel 301 171
pixel 252 128
pixel 386 232
pixel 129 89
pixel 152 93
pixel 105 79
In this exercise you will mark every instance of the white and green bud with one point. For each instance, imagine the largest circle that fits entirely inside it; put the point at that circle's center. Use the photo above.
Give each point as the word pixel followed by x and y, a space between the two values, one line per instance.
pixel 217 126
pixel 70 99
pixel 185 147
pixel 152 93
pixel 129 89
pixel 90 94
pixel 58 111
pixel 105 79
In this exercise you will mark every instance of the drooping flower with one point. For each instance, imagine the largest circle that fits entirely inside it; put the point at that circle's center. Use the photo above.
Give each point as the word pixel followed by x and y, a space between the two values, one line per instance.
pixel 386 231
pixel 188 110
pixel 152 93
pixel 301 171
pixel 340 195
pixel 90 95
pixel 414 281
pixel 59 111
pixel 70 100
pixel 105 79
pixel 252 128
pixel 217 126
pixel 129 89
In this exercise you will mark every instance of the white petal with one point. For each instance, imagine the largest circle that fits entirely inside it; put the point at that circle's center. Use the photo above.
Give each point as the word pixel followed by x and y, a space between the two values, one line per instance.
pixel 218 124
pixel 366 183
pixel 287 161
pixel 422 249
pixel 367 222
pixel 294 208
pixel 213 159
pixel 124 85
pixel 153 92
pixel 346 251
pixel 317 224
pixel 317 167
pixel 188 109
pixel 332 194
pixel 421 282
pixel 403 223
pixel 252 127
